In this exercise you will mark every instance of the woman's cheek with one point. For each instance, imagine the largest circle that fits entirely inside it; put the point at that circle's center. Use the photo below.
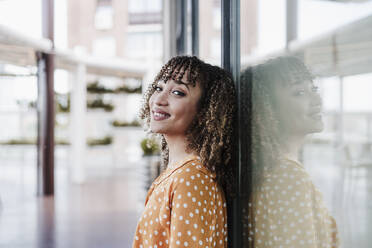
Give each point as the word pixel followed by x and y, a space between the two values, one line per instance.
pixel 151 100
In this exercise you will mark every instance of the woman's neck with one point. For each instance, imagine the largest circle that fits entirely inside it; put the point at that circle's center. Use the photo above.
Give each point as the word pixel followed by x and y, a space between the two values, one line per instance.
pixel 177 146
pixel 291 147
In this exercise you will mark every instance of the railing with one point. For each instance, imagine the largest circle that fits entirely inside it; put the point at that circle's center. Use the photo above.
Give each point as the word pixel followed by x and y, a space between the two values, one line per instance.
pixel 145 18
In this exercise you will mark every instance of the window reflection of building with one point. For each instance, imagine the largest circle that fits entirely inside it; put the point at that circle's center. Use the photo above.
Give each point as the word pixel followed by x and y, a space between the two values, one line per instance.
pixel 210 29
pixel 144 44
pixel 144 12
pixel 144 37
pixel 216 17
pixel 104 16
pixel 125 29
pixel 215 48
pixel 104 47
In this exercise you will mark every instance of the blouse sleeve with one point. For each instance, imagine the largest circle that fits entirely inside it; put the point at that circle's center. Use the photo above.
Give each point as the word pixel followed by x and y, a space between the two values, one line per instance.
pixel 194 212
pixel 285 213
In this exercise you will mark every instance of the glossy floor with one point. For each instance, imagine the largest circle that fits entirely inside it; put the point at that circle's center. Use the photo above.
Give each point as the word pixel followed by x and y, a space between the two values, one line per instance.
pixel 102 212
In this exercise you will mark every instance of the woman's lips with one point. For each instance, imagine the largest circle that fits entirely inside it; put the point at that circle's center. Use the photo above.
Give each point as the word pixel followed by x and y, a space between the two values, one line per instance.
pixel 316 116
pixel 160 115
pixel 316 113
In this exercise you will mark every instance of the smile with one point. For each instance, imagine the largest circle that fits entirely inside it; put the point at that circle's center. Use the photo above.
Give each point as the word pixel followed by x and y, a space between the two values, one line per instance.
pixel 316 116
pixel 159 116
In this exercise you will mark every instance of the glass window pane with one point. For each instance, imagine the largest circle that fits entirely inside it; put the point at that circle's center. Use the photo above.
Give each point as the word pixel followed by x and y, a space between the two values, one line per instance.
pixel 140 45
pixel 104 47
pixel 310 118
pixel 210 31
pixel 104 17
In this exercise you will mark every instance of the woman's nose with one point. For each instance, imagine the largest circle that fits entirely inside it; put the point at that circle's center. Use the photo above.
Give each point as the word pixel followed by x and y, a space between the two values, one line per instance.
pixel 316 99
pixel 161 98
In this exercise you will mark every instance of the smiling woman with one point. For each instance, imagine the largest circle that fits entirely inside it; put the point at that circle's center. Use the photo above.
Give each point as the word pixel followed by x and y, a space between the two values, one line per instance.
pixel 191 106
pixel 173 106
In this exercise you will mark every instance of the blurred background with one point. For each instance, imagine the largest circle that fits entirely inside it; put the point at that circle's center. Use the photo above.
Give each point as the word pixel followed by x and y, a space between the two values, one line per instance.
pixel 86 187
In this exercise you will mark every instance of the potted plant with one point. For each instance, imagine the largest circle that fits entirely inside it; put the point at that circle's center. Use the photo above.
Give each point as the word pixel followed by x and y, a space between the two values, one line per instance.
pixel 151 155
pixel 107 140
pixel 100 104
pixel 95 88
pixel 129 90
pixel 117 123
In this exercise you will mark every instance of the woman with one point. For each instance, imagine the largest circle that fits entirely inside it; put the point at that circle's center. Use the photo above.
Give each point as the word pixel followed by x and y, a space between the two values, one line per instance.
pixel 285 208
pixel 191 106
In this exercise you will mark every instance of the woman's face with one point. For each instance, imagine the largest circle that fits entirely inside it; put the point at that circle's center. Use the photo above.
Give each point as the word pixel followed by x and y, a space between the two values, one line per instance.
pixel 299 108
pixel 173 106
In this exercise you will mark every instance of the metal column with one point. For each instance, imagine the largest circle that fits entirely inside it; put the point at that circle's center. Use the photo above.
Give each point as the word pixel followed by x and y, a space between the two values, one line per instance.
pixel 291 21
pixel 169 29
pixel 45 147
pixel 195 27
pixel 174 28
pixel 181 28
pixel 230 12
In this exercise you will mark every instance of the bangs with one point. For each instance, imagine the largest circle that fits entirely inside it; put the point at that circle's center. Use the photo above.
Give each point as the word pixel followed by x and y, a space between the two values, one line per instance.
pixel 287 71
pixel 177 73
pixel 298 73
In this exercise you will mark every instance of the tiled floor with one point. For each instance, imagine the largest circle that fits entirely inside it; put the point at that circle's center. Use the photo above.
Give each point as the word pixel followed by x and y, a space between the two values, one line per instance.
pixel 102 212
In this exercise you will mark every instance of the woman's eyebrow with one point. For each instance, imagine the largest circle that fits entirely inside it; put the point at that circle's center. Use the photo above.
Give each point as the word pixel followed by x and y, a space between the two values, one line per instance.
pixel 181 82
pixel 158 83
pixel 300 83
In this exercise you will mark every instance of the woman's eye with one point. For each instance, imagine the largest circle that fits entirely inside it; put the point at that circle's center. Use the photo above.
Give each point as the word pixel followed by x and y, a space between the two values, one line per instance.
pixel 179 93
pixel 157 88
pixel 315 89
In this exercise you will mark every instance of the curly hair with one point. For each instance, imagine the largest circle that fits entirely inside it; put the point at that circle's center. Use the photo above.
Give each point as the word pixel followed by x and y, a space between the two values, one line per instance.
pixel 260 80
pixel 210 134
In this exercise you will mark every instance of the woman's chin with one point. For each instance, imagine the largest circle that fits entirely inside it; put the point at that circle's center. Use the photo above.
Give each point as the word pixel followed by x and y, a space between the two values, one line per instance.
pixel 157 129
pixel 317 127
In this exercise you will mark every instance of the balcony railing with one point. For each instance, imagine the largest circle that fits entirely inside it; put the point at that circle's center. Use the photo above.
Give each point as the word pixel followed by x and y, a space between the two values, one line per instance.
pixel 145 18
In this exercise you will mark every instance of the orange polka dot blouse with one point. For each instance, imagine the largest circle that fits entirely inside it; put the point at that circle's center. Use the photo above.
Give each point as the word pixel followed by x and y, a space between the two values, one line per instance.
pixel 184 208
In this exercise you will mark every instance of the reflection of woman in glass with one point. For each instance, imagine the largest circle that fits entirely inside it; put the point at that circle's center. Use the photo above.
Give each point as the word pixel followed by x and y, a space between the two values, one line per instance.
pixel 191 105
pixel 285 210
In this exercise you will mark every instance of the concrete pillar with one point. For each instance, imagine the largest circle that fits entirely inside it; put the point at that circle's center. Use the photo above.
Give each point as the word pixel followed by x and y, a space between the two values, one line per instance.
pixel 78 125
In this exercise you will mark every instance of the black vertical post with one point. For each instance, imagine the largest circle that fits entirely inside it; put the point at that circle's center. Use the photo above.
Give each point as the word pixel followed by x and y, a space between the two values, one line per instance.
pixel 291 33
pixel 230 12
pixel 45 148
pixel 181 28
pixel 195 27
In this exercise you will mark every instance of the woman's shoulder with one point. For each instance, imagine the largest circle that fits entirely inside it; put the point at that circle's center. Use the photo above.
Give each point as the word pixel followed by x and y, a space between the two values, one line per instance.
pixel 195 181
pixel 192 174
pixel 287 181
pixel 194 169
pixel 289 171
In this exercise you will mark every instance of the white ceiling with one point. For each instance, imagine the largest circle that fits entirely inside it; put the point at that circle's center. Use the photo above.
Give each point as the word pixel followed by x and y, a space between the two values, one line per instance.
pixel 345 51
pixel 348 1
pixel 19 49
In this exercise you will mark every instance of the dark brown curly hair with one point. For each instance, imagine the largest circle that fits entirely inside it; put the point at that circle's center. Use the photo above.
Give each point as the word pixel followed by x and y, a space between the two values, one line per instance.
pixel 210 134
pixel 259 81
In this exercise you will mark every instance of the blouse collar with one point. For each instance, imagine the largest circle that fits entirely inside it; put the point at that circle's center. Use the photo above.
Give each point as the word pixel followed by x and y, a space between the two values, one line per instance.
pixel 174 167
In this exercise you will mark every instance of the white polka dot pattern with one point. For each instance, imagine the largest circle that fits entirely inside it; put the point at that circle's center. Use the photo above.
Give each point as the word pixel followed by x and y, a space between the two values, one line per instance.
pixel 184 208
pixel 288 211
